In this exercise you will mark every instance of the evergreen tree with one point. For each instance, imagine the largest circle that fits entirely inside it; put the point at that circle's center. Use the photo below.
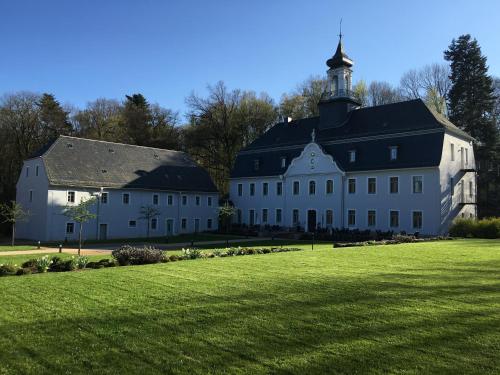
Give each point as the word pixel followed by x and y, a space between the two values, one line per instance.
pixel 137 119
pixel 471 98
pixel 53 118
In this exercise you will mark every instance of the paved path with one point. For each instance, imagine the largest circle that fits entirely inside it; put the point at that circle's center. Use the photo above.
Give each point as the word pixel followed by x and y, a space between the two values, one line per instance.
pixel 96 249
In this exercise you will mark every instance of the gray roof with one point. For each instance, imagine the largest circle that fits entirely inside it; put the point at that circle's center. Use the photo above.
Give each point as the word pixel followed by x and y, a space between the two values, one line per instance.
pixel 417 131
pixel 71 161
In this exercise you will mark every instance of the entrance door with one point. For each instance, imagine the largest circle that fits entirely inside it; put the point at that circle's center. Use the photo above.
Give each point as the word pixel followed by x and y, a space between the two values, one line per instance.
pixel 169 227
pixel 311 221
pixel 196 225
pixel 103 231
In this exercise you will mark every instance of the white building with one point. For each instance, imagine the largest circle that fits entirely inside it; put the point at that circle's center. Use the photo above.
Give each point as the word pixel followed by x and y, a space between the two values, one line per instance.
pixel 123 178
pixel 399 167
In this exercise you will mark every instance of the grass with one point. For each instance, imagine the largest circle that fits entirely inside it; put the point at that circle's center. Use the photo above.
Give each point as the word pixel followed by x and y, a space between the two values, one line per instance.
pixel 17 248
pixel 19 259
pixel 412 308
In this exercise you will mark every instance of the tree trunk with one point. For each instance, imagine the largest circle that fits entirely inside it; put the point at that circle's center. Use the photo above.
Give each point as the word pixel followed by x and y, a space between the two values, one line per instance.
pixel 13 234
pixel 80 240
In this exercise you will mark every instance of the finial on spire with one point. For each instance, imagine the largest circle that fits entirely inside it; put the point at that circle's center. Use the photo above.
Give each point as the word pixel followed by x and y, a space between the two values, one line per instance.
pixel 340 34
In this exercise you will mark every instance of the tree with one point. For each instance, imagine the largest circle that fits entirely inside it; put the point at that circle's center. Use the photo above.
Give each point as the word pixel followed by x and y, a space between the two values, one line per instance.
pixel 164 130
pixel 13 213
pixel 148 213
pixel 137 119
pixel 53 118
pixel 226 213
pixel 303 101
pixel 471 98
pixel 360 91
pixel 100 120
pixel 80 213
pixel 380 93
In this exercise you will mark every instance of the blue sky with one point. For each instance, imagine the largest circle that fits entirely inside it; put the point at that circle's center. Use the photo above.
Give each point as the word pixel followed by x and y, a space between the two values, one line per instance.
pixel 82 50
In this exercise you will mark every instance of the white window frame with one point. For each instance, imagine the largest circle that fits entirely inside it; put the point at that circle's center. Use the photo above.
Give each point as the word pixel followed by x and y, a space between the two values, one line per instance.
pixel 185 221
pixel 355 218
pixel 210 220
pixel 276 216
pixel 412 185
pixel 151 224
pixel 265 192
pixel 66 227
pixel 368 218
pixel 279 192
pixel 239 189
pixel 326 217
pixel 368 185
pixel 197 201
pixel 129 199
pixel 294 224
pixel 293 187
pixel 104 193
pixel 389 185
pixel 68 194
pixel 157 199
pixel 209 201
pixel 309 187
pixel 326 186
pixel 251 188
pixel 267 215
pixel 283 162
pixel 411 218
pixel 393 153
pixel 399 218
pixel 170 199
pixel 184 200
pixel 251 216
pixel 352 156
pixel 355 179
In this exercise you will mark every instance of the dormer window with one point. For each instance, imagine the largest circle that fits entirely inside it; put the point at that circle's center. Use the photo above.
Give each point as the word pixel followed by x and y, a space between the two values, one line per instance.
pixel 393 151
pixel 283 162
pixel 256 164
pixel 352 156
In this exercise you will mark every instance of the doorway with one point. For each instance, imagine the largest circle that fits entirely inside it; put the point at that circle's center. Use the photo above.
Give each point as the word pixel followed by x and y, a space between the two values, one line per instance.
pixel 311 221
pixel 169 227
pixel 103 231
pixel 196 225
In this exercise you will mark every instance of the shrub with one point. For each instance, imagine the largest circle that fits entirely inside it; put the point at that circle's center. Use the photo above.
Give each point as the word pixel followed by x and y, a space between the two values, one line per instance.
pixel 217 252
pixel 404 238
pixel 192 253
pixel 81 262
pixel 8 269
pixel 107 263
pixel 95 265
pixel 24 271
pixel 128 255
pixel 484 228
pixel 462 228
pixel 59 265
pixel 43 263
pixel 29 264
pixel 174 258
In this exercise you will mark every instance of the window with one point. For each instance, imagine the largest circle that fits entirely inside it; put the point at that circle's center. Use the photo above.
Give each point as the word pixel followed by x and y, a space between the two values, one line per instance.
pixel 209 223
pixel 471 189
pixel 264 215
pixel 329 186
pixel 170 200
pixel 155 199
pixel 154 224
pixel 209 201
pixel 393 151
pixel 104 198
pixel 252 189
pixel 278 215
pixel 283 162
pixel 352 156
pixel 452 151
pixel 265 188
pixel 372 185
pixel 197 200
pixel 126 198
pixel 183 223
pixel 394 218
pixel 296 188
pixel 239 216
pixel 184 200
pixel 452 186
pixel 240 190
pixel 418 184
pixel 393 185
pixel 27 171
pixel 70 228
pixel 256 165
pixel 31 196
pixel 132 223
pixel 417 219
pixel 372 218
pixel 351 217
pixel 295 217
pixel 251 217
pixel 37 170
pixel 466 157
pixel 71 197
pixel 312 187
pixel 329 217
pixel 351 185
pixel 279 188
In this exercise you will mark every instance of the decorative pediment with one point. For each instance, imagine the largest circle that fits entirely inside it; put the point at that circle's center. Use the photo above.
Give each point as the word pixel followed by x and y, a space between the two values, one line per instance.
pixel 313 160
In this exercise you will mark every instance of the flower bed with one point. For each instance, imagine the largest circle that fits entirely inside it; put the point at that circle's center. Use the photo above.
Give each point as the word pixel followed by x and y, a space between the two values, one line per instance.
pixel 396 239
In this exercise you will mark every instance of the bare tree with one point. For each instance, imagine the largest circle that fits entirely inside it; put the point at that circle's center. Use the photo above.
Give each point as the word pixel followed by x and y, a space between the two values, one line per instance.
pixel 148 213
pixel 100 120
pixel 411 85
pixel 382 93
pixel 13 213
pixel 81 214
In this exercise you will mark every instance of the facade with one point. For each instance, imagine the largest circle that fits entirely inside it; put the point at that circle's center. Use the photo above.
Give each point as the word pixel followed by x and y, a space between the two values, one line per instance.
pixel 399 167
pixel 123 178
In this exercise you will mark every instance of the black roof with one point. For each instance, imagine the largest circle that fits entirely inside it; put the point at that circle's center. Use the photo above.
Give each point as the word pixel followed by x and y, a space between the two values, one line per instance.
pixel 412 126
pixel 71 161
pixel 340 58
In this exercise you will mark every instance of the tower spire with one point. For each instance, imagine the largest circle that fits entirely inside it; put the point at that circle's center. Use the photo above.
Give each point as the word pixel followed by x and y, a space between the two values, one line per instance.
pixel 340 33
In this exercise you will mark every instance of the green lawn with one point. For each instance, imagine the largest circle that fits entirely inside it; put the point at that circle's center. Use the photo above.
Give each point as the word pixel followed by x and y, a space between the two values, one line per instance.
pixel 406 309
pixel 17 248
pixel 19 259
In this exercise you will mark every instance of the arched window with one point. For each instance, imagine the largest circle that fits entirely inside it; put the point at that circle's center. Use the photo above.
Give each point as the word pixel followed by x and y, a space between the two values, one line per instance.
pixel 312 187
pixel 329 186
pixel 335 85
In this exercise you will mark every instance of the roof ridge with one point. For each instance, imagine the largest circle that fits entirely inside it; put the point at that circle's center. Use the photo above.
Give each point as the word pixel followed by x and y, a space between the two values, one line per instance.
pixel 120 143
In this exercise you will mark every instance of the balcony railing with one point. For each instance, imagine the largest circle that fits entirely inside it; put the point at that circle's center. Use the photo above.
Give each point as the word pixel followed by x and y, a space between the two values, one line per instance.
pixel 340 93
